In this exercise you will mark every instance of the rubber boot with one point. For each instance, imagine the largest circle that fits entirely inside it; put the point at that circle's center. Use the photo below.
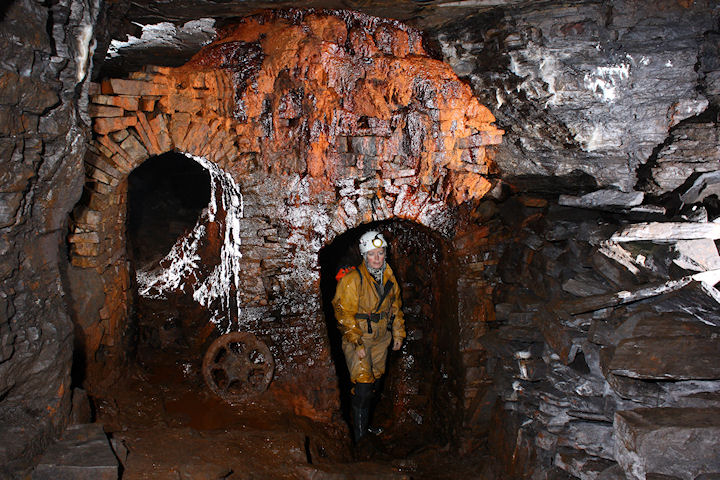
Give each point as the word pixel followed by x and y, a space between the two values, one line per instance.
pixel 376 385
pixel 361 409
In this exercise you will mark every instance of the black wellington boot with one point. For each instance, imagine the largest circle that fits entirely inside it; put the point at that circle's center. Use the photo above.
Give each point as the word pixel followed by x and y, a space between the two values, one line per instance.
pixel 361 410
pixel 376 385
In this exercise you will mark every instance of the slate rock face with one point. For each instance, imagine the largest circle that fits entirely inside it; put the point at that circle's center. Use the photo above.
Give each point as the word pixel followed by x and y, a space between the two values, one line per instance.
pixel 668 346
pixel 672 358
pixel 669 441
pixel 41 142
pixel 83 453
pixel 691 148
pixel 582 88
pixel 622 328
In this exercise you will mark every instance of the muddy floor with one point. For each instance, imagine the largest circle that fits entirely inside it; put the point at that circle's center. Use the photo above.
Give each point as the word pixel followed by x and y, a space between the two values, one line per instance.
pixel 165 424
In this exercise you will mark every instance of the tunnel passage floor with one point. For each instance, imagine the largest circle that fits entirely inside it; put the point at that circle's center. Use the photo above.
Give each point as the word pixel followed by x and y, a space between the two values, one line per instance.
pixel 165 424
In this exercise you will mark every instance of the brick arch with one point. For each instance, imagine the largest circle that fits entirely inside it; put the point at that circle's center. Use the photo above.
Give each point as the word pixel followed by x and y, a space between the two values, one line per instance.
pixel 413 205
pixel 341 118
pixel 128 130
pixel 133 120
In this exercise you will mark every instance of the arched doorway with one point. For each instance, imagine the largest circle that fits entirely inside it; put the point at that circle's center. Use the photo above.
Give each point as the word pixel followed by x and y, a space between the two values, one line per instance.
pixel 166 198
pixel 418 404
pixel 181 220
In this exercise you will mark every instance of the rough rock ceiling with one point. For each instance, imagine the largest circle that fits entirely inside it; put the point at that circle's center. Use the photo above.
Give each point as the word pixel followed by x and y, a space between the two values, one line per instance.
pixel 419 13
pixel 173 31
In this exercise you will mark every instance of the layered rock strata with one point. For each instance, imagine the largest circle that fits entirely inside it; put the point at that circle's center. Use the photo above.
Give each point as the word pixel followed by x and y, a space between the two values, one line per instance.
pixel 605 347
pixel 590 91
pixel 43 74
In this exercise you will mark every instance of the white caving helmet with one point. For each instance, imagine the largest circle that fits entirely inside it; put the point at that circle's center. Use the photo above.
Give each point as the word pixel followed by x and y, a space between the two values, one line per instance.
pixel 372 240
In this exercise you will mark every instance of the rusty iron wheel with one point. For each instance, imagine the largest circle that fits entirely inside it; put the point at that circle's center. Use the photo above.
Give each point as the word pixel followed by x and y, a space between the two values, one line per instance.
pixel 238 365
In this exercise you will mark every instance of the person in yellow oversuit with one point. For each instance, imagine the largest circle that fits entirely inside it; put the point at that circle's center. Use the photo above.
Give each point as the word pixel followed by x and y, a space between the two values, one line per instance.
pixel 368 311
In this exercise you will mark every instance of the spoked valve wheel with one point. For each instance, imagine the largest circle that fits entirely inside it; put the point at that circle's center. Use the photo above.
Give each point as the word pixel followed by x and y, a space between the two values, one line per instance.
pixel 238 365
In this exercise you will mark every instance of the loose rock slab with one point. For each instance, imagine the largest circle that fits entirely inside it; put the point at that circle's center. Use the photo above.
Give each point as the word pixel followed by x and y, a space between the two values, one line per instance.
pixel 681 442
pixel 668 358
pixel 603 199
pixel 705 185
pixel 83 453
pixel 667 232
pixel 697 255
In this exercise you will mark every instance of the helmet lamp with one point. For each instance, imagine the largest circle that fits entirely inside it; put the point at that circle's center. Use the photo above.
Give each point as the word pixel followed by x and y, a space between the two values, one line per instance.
pixel 371 240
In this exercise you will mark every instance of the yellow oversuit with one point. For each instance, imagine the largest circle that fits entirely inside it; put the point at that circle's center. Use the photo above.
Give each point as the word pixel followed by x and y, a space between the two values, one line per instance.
pixel 364 323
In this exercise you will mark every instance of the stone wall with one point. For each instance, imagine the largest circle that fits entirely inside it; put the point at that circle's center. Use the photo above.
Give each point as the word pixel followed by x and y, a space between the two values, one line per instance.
pixel 44 72
pixel 604 345
pixel 590 91
pixel 615 97
pixel 309 125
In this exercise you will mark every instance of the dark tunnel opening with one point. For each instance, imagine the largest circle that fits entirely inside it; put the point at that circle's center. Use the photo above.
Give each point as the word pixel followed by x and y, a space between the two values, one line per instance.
pixel 418 404
pixel 165 197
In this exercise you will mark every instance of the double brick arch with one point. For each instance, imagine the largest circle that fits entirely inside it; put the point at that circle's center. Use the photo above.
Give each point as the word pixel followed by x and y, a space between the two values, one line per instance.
pixel 325 121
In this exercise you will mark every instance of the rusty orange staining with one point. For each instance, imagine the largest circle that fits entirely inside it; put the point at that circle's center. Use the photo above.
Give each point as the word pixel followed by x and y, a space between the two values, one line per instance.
pixel 338 99
pixel 336 73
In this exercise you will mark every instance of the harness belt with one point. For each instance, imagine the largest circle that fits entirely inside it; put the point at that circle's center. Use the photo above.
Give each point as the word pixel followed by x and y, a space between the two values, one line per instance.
pixel 376 316
pixel 372 318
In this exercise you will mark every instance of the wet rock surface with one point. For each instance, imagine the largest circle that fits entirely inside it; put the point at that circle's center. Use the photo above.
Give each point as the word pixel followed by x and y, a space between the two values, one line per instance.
pixel 41 144
pixel 583 90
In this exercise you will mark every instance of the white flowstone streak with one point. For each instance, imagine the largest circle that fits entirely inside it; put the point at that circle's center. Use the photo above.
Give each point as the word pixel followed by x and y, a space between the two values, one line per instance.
pixel 541 63
pixel 85 48
pixel 305 218
pixel 603 81
pixel 182 263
